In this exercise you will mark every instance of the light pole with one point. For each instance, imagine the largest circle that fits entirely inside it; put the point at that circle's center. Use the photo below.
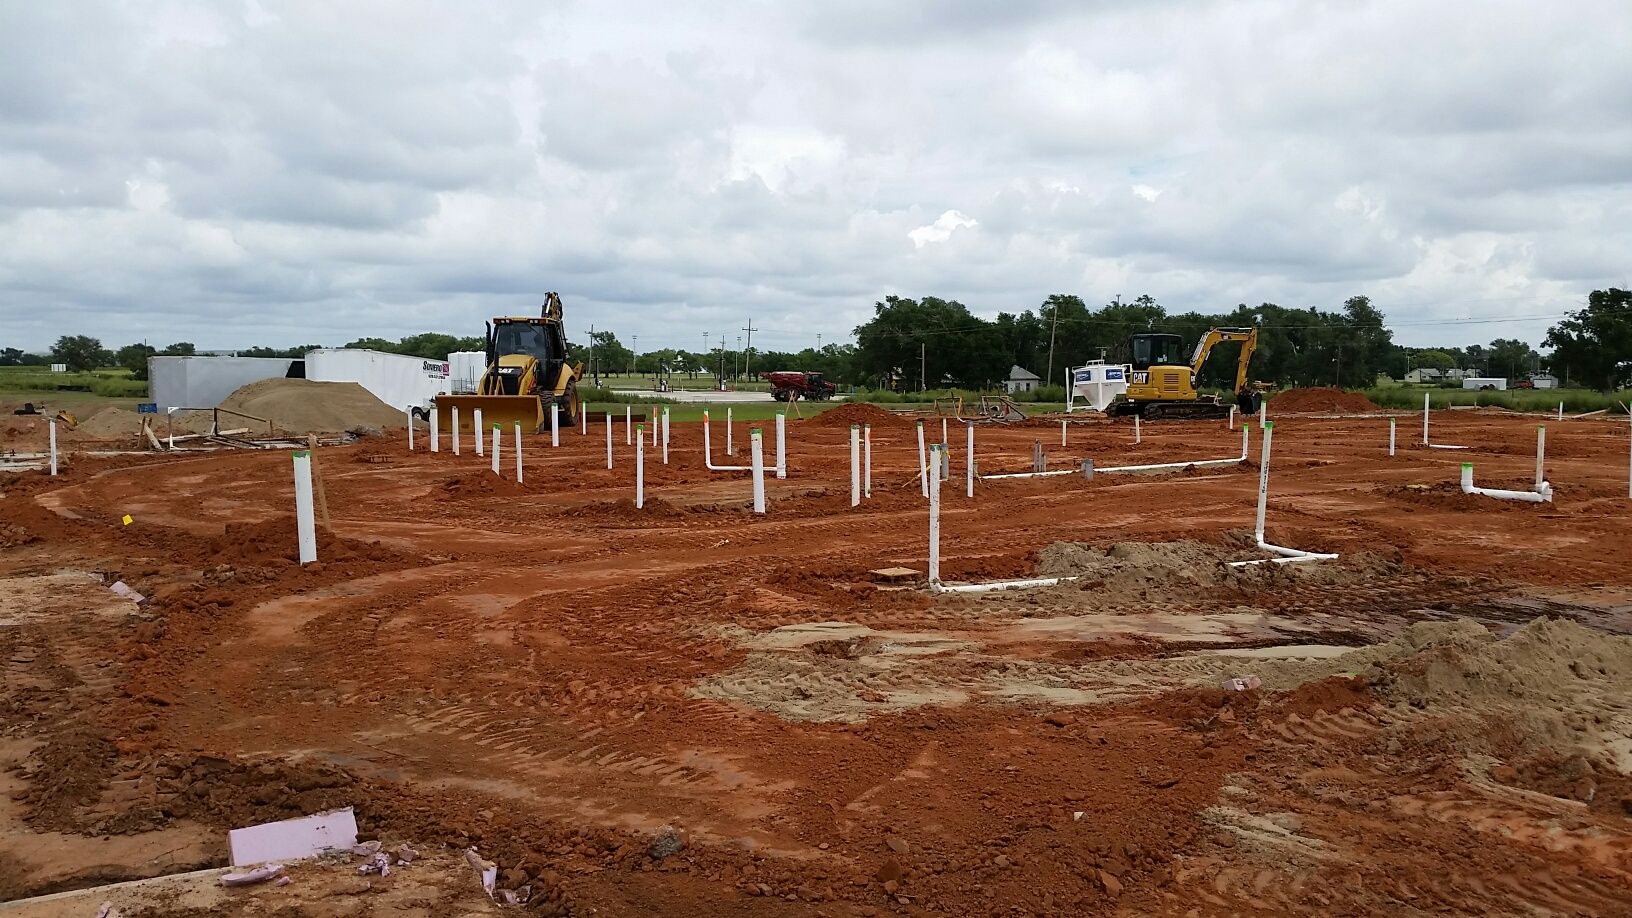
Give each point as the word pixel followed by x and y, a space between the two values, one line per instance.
pixel 634 353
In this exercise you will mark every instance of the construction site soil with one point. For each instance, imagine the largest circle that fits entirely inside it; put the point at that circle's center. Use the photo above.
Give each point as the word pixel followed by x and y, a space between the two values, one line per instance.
pixel 691 710
pixel 1321 399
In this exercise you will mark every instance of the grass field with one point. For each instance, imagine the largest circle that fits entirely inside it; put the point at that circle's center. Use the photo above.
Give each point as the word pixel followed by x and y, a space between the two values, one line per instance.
pixel 678 381
pixel 1576 401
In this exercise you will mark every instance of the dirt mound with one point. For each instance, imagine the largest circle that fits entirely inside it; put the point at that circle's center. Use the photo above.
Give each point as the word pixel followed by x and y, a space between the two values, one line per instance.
pixel 300 406
pixel 275 540
pixel 485 483
pixel 1132 565
pixel 118 423
pixel 858 413
pixel 1322 399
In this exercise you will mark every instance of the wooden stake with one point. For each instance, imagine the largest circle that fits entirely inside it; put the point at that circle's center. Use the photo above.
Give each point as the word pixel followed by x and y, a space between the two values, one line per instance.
pixel 317 480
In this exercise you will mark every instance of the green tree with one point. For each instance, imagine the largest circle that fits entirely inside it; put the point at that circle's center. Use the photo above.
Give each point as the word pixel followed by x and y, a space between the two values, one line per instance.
pixel 1432 359
pixel 80 353
pixel 11 356
pixel 133 357
pixel 930 343
pixel 1511 358
pixel 1594 345
pixel 608 354
pixel 180 349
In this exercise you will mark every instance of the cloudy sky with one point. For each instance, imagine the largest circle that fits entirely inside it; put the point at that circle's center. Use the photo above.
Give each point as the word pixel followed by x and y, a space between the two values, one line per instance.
pixel 261 172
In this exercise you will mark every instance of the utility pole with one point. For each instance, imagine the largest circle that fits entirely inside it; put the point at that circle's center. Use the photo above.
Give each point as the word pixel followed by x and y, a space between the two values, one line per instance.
pixel 1052 328
pixel 748 355
pixel 923 380
pixel 736 362
pixel 635 344
pixel 594 378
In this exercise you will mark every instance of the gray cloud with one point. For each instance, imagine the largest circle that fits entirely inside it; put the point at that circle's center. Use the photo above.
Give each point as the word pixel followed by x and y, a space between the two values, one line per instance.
pixel 236 173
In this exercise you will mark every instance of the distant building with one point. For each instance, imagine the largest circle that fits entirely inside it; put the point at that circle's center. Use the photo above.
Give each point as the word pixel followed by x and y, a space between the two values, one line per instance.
pixel 1022 380
pixel 1544 381
pixel 1424 375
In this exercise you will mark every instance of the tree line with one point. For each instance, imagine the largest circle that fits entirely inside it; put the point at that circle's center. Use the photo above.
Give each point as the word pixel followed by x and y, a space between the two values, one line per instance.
pixel 931 343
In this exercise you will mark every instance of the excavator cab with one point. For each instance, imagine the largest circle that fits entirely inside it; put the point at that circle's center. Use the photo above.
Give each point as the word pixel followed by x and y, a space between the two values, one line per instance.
pixel 1150 350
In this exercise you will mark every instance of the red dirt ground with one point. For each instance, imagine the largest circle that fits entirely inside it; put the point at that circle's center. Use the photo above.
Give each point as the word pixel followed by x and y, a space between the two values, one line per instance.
pixel 552 676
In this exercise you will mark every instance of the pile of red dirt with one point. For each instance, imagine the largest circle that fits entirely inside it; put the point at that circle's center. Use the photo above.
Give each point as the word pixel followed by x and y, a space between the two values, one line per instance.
pixel 858 413
pixel 300 406
pixel 1322 399
pixel 485 483
pixel 275 539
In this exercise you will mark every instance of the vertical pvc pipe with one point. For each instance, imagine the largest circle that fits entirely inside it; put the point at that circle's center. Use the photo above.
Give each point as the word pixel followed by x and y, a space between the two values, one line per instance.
pixel 305 524
pixel 495 449
pixel 665 436
pixel 1561 411
pixel 410 412
pixel 583 418
pixel 1391 426
pixel 555 424
pixel 1062 433
pixel 655 426
pixel 730 444
pixel 969 476
pixel 1467 477
pixel 518 452
pixel 1137 436
pixel 943 432
pixel 456 434
pixel 609 440
pixel 756 449
pixel 1263 480
pixel 1232 417
pixel 52 424
pixel 781 444
pixel 1541 454
pixel 436 431
pixel 946 463
pixel 1425 397
pixel 1629 456
pixel 1263 413
pixel 476 428
pixel 935 529
pixel 640 466
pixel 628 425
pixel 867 461
pixel 855 465
pixel 923 465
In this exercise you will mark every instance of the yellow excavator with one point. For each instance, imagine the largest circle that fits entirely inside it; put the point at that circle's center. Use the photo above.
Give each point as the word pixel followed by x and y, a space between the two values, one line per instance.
pixel 527 371
pixel 1163 384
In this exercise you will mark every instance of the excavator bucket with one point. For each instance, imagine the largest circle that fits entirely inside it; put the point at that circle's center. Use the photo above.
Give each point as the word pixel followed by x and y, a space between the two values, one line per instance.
pixel 503 410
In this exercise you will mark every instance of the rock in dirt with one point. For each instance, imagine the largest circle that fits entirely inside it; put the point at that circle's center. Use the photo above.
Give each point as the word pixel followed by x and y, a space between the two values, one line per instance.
pixel 668 841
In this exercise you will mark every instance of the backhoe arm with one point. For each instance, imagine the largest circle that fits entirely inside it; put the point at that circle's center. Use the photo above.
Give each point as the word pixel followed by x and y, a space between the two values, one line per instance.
pixel 1249 343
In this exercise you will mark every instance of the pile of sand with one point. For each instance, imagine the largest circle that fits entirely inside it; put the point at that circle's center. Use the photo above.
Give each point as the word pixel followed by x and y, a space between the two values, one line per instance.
pixel 858 413
pixel 1322 399
pixel 120 424
pixel 300 406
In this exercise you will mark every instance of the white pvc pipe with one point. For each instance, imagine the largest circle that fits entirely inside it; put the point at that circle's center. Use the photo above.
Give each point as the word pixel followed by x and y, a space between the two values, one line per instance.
pixel 969 456
pixel 476 428
pixel 756 450
pixel 934 531
pixel 1391 426
pixel 1542 494
pixel 943 432
pixel 555 424
pixel 628 426
pixel 1561 411
pixel 855 465
pixel 923 467
pixel 518 451
pixel 1062 433
pixel 708 452
pixel 170 426
pixel 1629 456
pixel 665 436
pixel 436 431
pixel 456 433
pixel 867 461
pixel 52 424
pixel 640 466
pixel 1000 585
pixel 609 439
pixel 410 413
pixel 1137 436
pixel 495 450
pixel 946 462
pixel 1541 454
pixel 583 418
pixel 730 444
pixel 781 444
pixel 1287 555
pixel 305 523
pixel 1425 397
pixel 655 426
pixel 1150 467
pixel 1231 422
pixel 1263 413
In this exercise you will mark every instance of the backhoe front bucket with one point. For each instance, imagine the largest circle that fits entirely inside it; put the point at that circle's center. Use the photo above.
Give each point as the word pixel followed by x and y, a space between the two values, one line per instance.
pixel 503 410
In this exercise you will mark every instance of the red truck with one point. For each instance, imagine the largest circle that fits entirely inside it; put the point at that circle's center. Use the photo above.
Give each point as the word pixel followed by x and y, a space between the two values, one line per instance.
pixel 788 384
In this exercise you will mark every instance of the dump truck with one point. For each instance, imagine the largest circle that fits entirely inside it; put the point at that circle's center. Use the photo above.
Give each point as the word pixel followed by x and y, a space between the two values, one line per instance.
pixel 1163 384
pixel 528 370
pixel 811 387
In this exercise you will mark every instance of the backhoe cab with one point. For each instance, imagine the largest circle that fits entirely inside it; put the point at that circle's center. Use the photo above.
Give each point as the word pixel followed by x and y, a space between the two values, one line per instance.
pixel 527 372
pixel 1163 382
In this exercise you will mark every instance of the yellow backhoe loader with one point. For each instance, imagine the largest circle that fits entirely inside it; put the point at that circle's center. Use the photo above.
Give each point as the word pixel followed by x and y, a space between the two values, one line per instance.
pixel 1164 385
pixel 527 371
